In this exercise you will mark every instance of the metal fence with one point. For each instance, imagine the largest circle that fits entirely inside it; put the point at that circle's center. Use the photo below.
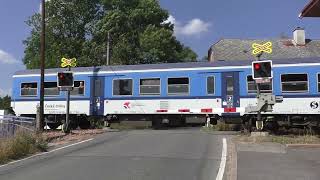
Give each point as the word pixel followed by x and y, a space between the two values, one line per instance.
pixel 10 125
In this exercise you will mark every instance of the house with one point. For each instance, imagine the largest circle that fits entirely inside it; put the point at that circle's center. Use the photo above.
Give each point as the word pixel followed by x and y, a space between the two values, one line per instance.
pixel 311 10
pixel 283 48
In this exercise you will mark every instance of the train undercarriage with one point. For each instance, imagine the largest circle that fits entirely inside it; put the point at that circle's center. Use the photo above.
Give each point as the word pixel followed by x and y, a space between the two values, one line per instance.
pixel 271 122
pixel 274 122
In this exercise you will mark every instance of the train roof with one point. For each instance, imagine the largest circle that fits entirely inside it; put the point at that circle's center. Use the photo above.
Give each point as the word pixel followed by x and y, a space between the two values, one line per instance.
pixel 171 66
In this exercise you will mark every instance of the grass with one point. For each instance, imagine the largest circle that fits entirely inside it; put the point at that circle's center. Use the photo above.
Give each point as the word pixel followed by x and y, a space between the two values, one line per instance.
pixel 304 139
pixel 129 125
pixel 281 139
pixel 21 145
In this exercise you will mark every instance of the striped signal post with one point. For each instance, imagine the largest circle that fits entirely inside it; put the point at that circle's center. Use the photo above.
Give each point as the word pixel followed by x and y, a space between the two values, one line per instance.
pixel 258 50
pixel 67 85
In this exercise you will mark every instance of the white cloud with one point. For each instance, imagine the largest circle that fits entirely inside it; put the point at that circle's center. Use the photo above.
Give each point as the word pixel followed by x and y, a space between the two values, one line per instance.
pixel 171 20
pixel 6 58
pixel 194 27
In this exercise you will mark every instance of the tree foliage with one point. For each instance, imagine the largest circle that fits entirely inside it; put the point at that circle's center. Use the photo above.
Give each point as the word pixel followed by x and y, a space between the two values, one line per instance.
pixel 79 28
pixel 5 103
pixel 69 26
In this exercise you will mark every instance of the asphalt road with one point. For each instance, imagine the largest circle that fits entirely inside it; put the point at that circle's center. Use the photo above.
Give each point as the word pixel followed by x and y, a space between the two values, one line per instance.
pixel 174 154
pixel 271 162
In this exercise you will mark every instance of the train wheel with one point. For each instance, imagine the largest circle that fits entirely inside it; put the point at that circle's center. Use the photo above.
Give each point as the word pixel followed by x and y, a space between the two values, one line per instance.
pixel 84 124
pixel 250 124
pixel 157 123
pixel 247 125
pixel 272 126
pixel 74 124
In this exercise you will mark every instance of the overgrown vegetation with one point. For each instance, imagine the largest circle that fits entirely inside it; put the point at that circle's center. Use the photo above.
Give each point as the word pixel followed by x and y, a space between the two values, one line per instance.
pixel 96 123
pixel 5 104
pixel 21 145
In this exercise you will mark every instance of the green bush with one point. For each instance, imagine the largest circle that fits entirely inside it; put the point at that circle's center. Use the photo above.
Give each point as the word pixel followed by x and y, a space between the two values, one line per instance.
pixel 96 123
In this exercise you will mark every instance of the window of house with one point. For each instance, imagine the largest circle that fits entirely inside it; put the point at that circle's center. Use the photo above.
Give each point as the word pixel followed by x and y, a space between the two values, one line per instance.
pixel 150 86
pixel 51 89
pixel 29 89
pixel 78 89
pixel 122 87
pixel 178 86
pixel 264 87
pixel 210 85
pixel 294 83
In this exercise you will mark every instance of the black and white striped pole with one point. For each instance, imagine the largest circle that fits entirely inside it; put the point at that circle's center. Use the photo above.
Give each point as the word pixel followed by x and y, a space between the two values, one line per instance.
pixel 66 83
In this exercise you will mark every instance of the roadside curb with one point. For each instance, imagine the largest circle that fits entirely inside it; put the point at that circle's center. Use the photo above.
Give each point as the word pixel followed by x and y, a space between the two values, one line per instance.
pixel 303 145
pixel 232 161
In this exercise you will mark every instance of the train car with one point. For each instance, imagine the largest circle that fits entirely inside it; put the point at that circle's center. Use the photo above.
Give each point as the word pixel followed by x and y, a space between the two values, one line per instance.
pixel 174 93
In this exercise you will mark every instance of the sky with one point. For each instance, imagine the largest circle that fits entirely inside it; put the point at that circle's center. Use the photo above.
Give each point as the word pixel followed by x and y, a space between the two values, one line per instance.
pixel 198 24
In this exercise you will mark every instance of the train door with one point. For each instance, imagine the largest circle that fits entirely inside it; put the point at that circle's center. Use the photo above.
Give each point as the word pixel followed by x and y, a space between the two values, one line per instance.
pixel 230 90
pixel 97 96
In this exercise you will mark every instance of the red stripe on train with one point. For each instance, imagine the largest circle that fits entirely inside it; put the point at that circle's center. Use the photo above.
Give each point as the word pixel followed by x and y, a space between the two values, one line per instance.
pixel 230 109
pixel 206 110
pixel 184 110
pixel 162 110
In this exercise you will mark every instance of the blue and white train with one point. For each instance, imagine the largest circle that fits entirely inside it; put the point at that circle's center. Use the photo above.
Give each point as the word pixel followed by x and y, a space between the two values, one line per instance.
pixel 174 93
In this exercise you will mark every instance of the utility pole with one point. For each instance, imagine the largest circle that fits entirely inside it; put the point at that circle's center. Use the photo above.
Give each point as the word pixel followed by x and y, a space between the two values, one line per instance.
pixel 40 122
pixel 108 49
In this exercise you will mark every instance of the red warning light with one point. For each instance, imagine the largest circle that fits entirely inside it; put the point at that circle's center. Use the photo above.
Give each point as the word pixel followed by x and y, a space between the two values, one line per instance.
pixel 61 76
pixel 257 66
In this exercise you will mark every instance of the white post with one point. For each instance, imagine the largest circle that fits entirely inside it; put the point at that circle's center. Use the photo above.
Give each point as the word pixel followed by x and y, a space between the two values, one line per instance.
pixel 208 122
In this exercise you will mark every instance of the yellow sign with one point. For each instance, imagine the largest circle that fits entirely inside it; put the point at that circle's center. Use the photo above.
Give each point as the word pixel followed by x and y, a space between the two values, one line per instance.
pixel 259 48
pixel 68 62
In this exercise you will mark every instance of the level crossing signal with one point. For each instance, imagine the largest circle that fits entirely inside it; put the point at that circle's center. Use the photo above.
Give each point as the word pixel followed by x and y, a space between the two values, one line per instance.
pixel 262 69
pixel 65 79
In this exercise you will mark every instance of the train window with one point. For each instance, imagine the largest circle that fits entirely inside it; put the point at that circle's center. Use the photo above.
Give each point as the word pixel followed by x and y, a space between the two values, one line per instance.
pixel 29 89
pixel 122 87
pixel 264 87
pixel 51 89
pixel 150 86
pixel 78 89
pixel 230 87
pixel 293 83
pixel 210 85
pixel 97 87
pixel 178 86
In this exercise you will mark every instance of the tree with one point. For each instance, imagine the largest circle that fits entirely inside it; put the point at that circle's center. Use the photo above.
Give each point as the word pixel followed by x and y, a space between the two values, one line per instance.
pixel 5 103
pixel 70 25
pixel 79 28
pixel 139 34
pixel 159 45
